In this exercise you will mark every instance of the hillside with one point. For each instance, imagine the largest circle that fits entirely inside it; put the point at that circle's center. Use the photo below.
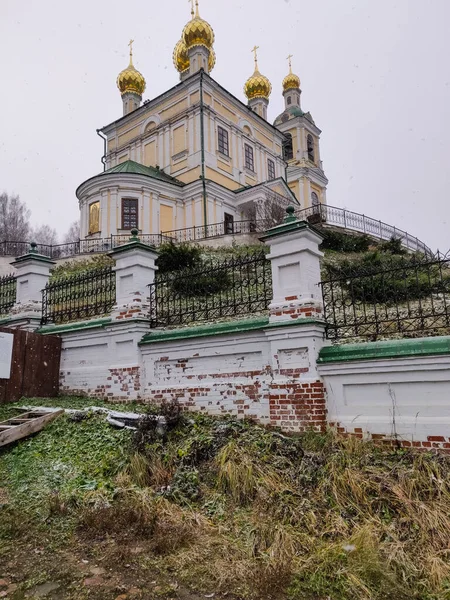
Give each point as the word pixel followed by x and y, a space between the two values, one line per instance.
pixel 218 508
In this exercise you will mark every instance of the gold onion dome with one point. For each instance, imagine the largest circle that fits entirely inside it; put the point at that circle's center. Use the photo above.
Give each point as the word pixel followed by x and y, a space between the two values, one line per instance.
pixel 181 57
pixel 291 81
pixel 130 80
pixel 197 32
pixel 257 86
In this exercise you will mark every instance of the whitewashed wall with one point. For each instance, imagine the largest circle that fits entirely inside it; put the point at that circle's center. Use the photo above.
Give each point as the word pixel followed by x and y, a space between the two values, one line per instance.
pixel 405 399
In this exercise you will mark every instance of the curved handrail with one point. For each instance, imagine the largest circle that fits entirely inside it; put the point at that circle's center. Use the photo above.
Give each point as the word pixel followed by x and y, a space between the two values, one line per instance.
pixel 352 221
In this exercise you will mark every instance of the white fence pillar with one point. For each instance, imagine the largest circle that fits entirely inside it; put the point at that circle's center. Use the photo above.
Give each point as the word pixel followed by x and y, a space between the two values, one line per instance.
pixel 295 258
pixel 32 275
pixel 135 270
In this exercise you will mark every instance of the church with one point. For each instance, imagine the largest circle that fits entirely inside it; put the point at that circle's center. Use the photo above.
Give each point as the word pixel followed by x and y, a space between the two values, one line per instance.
pixel 197 155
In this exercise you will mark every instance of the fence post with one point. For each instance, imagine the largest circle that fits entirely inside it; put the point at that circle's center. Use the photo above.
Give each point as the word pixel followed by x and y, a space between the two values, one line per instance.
pixel 294 349
pixel 135 270
pixel 295 258
pixel 32 275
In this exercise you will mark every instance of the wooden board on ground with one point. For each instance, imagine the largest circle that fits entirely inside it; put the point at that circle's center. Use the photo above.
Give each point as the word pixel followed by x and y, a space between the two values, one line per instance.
pixel 25 424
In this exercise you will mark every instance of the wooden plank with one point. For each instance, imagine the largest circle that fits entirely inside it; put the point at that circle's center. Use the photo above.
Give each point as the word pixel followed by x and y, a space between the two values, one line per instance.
pixel 26 429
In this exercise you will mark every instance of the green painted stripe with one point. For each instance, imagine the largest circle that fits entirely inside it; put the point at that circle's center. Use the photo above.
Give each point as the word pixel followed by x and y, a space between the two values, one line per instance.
pixel 57 329
pixel 228 328
pixel 386 349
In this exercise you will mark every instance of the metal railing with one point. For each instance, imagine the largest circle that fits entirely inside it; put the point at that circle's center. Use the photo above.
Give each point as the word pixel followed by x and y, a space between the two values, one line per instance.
pixel 202 232
pixel 351 221
pixel 237 286
pixel 79 296
pixel 398 295
pixel 8 289
pixel 321 214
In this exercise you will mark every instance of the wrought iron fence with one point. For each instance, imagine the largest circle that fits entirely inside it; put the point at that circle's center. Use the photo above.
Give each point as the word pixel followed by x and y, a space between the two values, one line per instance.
pixel 7 293
pixel 79 296
pixel 407 296
pixel 202 232
pixel 237 286
pixel 349 220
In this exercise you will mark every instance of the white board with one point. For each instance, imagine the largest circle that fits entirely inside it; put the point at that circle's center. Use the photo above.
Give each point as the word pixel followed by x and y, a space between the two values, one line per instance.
pixel 6 348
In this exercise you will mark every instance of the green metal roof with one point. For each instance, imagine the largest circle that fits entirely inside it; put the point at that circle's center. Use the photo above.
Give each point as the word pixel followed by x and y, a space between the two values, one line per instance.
pixel 291 113
pixel 130 166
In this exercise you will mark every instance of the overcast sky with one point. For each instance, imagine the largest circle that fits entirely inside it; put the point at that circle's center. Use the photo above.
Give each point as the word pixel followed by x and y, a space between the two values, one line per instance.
pixel 375 76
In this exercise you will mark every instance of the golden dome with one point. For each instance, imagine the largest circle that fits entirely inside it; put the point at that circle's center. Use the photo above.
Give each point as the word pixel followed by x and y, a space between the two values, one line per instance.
pixel 197 32
pixel 130 80
pixel 257 86
pixel 181 58
pixel 291 81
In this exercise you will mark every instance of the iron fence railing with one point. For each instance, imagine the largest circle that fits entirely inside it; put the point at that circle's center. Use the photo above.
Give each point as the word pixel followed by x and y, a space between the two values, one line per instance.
pixel 202 232
pixel 349 220
pixel 321 214
pixel 8 290
pixel 240 285
pixel 79 296
pixel 406 296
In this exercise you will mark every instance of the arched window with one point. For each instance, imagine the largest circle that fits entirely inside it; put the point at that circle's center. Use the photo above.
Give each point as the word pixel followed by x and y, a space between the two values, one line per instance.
pixel 289 100
pixel 288 150
pixel 310 147
pixel 314 199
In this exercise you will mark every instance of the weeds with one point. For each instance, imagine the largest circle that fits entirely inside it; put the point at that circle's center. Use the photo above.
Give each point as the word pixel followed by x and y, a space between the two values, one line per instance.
pixel 231 506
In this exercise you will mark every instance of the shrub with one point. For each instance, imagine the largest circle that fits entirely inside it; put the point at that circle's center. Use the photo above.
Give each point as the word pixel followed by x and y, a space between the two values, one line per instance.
pixel 344 242
pixel 393 246
pixel 177 257
pixel 383 278
pixel 201 284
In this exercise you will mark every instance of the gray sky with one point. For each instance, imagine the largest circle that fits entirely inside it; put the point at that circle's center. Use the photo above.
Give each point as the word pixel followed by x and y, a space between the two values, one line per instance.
pixel 375 76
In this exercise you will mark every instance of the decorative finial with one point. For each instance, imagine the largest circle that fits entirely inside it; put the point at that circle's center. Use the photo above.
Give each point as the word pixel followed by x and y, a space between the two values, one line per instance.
pixel 290 216
pixel 131 52
pixel 33 247
pixel 192 8
pixel 197 14
pixel 290 62
pixel 134 235
pixel 255 51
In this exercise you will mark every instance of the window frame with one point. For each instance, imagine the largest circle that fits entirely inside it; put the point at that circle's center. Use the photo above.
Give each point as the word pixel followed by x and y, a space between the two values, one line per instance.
pixel 249 157
pixel 123 216
pixel 310 147
pixel 271 171
pixel 223 137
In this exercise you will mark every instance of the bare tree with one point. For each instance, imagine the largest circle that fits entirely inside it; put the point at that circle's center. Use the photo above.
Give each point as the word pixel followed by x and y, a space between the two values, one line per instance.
pixel 14 219
pixel 73 234
pixel 268 211
pixel 44 235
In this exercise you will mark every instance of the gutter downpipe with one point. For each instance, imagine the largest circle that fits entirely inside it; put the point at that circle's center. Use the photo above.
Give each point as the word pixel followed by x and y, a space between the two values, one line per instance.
pixel 100 134
pixel 202 143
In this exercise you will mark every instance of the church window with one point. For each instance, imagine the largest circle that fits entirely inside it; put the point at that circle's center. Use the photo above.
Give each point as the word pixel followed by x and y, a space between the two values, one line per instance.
pixel 310 147
pixel 314 199
pixel 288 149
pixel 222 137
pixel 249 160
pixel 129 213
pixel 270 169
pixel 289 100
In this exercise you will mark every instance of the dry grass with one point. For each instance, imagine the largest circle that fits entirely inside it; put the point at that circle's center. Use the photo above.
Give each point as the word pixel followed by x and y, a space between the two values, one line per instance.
pixel 229 506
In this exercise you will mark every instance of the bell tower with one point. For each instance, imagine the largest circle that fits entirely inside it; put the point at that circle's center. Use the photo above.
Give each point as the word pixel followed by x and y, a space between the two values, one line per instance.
pixel 301 150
